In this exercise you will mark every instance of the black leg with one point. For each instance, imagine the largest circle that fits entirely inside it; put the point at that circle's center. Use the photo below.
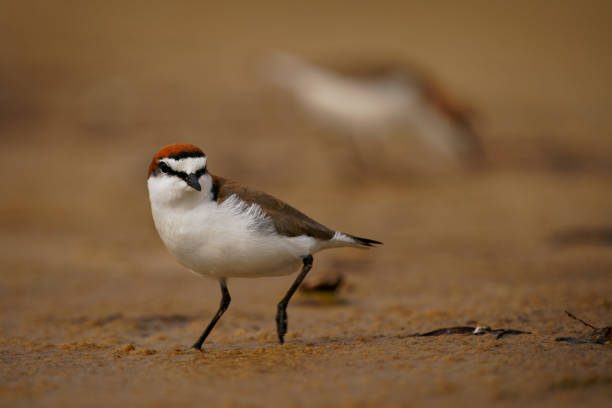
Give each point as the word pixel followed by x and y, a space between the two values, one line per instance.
pixel 225 301
pixel 281 309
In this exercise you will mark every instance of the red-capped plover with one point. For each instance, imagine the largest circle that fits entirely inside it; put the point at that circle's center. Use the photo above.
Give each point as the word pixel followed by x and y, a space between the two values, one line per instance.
pixel 220 229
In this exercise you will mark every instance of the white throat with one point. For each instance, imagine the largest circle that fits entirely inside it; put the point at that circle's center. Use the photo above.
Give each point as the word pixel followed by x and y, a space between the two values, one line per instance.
pixel 167 190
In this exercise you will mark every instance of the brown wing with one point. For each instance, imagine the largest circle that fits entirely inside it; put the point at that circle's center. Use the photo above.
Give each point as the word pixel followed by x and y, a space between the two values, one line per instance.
pixel 287 220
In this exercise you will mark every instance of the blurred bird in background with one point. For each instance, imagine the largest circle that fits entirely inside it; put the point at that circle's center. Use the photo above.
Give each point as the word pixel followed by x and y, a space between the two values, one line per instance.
pixel 370 102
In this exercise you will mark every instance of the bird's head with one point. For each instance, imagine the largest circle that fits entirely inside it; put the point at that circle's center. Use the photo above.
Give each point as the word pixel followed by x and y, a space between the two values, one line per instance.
pixel 178 170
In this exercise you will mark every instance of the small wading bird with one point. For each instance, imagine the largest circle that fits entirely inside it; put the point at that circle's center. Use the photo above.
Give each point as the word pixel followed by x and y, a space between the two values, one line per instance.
pixel 369 101
pixel 221 229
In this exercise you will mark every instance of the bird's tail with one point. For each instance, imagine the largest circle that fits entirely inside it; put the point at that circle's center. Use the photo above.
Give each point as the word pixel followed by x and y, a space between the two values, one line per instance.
pixel 341 239
pixel 366 242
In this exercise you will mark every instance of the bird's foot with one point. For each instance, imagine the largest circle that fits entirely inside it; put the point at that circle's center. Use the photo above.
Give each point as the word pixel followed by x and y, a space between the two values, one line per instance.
pixel 197 347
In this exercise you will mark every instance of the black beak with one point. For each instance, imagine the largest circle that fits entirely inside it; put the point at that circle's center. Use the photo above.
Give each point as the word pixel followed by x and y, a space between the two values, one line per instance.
pixel 192 181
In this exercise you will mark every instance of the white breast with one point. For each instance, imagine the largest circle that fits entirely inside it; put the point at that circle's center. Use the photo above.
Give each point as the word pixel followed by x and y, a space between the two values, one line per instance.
pixel 231 239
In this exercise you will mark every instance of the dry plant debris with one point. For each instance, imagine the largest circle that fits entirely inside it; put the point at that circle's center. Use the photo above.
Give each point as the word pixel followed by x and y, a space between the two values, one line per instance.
pixel 329 283
pixel 476 331
pixel 583 236
pixel 599 335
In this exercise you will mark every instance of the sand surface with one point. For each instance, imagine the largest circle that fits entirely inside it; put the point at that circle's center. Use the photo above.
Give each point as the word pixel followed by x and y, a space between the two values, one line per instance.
pixel 95 312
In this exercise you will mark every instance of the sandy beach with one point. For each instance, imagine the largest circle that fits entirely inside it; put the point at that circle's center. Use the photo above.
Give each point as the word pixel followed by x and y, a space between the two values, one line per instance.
pixel 96 312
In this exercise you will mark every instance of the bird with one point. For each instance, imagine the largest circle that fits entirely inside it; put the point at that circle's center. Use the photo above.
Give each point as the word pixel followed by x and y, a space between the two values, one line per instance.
pixel 368 101
pixel 220 229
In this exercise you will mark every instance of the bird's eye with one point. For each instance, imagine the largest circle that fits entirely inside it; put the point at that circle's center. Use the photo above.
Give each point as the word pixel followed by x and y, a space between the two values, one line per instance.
pixel 164 167
pixel 201 172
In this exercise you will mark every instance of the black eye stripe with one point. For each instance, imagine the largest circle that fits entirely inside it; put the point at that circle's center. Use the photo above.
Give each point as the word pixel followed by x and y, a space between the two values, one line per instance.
pixel 167 169
pixel 163 166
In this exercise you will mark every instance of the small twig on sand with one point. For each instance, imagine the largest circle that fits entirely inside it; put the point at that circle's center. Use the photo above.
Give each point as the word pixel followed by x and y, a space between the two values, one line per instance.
pixel 581 321
pixel 476 331
pixel 601 335
pixel 446 330
pixel 503 333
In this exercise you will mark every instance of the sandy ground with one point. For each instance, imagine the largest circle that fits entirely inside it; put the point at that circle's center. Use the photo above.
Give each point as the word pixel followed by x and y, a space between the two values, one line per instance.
pixel 95 312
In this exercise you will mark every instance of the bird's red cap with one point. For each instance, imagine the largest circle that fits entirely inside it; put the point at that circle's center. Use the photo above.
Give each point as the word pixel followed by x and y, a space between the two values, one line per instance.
pixel 175 151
